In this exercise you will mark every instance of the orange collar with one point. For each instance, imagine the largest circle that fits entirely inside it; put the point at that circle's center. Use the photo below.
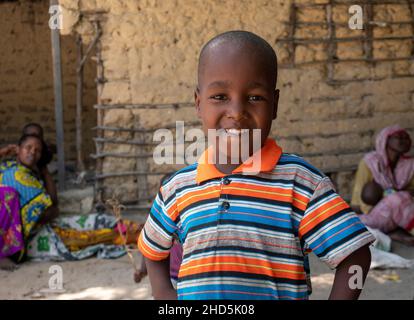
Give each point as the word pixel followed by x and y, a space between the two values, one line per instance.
pixel 263 160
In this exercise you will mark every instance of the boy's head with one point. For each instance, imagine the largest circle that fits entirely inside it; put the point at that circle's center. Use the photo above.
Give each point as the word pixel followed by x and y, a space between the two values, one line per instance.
pixel 33 129
pixel 29 150
pixel 237 75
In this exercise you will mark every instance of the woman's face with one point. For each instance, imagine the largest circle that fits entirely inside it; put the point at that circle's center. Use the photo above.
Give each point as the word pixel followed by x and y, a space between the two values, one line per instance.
pixel 399 142
pixel 29 152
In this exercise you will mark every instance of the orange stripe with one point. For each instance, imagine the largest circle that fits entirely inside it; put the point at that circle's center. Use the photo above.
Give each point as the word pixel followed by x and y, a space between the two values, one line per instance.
pixel 247 265
pixel 195 196
pixel 148 252
pixel 244 260
pixel 320 214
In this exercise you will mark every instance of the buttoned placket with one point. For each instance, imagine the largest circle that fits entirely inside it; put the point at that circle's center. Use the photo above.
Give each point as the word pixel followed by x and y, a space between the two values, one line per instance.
pixel 224 204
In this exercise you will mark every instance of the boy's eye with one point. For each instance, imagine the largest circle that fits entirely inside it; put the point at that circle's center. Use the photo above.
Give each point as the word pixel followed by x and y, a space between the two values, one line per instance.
pixel 218 97
pixel 255 98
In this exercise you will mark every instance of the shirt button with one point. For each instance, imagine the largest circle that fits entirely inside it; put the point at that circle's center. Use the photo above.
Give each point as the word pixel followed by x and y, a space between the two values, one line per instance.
pixel 225 205
pixel 226 181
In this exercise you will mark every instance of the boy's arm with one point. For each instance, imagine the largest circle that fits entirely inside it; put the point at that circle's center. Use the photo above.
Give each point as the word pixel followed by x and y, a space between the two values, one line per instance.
pixel 341 289
pixel 159 275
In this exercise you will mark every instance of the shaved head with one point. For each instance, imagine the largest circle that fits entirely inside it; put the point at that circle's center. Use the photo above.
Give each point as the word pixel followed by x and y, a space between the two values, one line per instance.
pixel 244 42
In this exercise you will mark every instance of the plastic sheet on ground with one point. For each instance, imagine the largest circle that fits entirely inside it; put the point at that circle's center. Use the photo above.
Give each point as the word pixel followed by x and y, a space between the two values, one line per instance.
pixel 381 258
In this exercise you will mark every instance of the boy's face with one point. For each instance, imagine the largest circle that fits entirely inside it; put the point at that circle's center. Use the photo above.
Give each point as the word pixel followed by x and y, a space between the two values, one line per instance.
pixel 235 92
pixel 29 152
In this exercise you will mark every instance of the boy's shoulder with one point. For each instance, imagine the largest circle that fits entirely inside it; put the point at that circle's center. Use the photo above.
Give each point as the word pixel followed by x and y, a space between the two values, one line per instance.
pixel 299 169
pixel 180 178
pixel 294 160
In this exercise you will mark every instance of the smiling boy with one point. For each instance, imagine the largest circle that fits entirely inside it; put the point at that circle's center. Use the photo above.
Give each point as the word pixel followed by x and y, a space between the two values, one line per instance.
pixel 246 232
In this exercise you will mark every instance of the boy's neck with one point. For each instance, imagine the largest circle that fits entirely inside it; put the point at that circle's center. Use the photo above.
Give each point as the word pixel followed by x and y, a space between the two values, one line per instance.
pixel 230 166
pixel 226 168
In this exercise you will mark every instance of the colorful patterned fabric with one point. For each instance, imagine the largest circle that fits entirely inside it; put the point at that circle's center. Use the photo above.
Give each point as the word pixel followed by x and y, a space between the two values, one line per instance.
pixel 246 235
pixel 11 237
pixel 75 238
pixel 33 198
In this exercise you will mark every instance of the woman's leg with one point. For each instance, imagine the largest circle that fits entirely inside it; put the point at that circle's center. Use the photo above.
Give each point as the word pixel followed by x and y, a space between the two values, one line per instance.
pixel 380 217
pixel 392 215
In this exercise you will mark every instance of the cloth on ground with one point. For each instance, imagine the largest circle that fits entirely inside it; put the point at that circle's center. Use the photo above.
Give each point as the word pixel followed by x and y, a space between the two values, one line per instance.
pixel 381 258
pixel 48 245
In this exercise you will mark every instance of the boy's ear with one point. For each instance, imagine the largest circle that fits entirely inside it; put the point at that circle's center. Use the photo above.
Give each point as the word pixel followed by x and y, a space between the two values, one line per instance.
pixel 276 104
pixel 197 101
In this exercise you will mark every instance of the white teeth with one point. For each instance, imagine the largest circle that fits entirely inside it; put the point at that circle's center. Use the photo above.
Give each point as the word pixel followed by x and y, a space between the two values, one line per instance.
pixel 236 131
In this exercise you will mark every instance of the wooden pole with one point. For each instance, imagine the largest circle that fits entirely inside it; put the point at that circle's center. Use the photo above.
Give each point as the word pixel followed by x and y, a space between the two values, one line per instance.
pixel 57 82
pixel 79 104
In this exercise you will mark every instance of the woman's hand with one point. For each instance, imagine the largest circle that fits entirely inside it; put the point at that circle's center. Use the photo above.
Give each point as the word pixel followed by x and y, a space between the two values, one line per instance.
pixel 10 150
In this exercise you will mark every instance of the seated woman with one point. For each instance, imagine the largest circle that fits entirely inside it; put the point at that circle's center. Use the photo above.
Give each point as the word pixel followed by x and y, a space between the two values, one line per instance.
pixel 32 197
pixel 384 186
pixel 35 189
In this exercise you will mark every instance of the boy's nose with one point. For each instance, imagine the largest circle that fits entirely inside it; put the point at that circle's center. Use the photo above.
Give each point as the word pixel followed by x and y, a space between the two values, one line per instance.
pixel 236 109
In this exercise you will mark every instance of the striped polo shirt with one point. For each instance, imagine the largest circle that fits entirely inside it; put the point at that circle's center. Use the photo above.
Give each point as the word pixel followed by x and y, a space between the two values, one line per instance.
pixel 247 236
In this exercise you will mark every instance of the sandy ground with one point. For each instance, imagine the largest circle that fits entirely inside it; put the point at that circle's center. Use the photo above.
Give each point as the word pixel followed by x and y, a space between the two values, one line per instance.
pixel 113 279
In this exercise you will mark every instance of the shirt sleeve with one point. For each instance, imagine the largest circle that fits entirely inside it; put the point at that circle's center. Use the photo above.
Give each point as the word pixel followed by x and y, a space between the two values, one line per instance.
pixel 156 238
pixel 330 228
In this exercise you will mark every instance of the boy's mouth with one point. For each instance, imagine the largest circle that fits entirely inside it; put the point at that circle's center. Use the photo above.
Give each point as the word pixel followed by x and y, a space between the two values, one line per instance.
pixel 235 132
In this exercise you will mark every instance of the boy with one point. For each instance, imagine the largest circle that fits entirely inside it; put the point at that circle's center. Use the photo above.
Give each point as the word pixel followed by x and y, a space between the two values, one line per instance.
pixel 245 234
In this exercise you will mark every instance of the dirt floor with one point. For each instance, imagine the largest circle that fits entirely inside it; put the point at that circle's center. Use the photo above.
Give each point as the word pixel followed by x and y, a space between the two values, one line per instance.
pixel 113 279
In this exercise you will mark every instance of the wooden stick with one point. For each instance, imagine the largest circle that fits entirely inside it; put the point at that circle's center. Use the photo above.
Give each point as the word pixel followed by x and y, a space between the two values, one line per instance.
pixel 116 209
